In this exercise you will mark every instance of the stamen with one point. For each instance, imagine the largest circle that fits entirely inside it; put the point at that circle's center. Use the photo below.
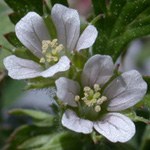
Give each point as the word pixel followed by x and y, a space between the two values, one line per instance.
pixel 104 98
pixel 50 51
pixel 96 87
pixel 87 89
pixel 42 60
pixel 97 108
pixel 77 98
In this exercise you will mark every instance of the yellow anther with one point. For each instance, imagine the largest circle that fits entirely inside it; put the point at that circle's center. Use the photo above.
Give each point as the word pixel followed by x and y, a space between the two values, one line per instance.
pixel 96 95
pixel 54 43
pixel 100 101
pixel 84 99
pixel 55 59
pixel 87 89
pixel 77 98
pixel 86 94
pixel 59 48
pixel 104 98
pixel 90 104
pixel 45 45
pixel 96 87
pixel 97 108
pixel 48 55
pixel 42 60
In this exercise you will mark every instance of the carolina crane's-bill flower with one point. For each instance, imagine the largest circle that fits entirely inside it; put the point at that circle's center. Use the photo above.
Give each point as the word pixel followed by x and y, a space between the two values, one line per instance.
pixel 95 101
pixel 52 53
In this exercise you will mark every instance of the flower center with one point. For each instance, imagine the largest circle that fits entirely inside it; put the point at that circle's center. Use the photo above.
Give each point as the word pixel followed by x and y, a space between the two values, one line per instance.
pixel 92 97
pixel 51 51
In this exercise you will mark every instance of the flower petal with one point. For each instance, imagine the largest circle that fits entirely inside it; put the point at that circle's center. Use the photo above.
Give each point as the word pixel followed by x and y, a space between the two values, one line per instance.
pixel 71 121
pixel 67 90
pixel 67 24
pixel 19 68
pixel 115 127
pixel 31 31
pixel 125 91
pixel 87 38
pixel 98 69
pixel 62 65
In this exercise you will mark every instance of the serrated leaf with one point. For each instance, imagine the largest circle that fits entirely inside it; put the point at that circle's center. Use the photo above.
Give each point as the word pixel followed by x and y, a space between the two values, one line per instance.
pixel 63 2
pixel 12 39
pixel 22 7
pixel 124 21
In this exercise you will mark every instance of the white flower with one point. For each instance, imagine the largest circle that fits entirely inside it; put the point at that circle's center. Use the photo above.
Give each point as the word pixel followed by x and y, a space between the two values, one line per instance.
pixel 96 107
pixel 33 33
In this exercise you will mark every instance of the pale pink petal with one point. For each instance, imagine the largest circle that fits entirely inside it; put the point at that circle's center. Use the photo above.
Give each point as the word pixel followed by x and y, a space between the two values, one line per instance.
pixel 87 38
pixel 71 121
pixel 125 91
pixel 98 69
pixel 19 68
pixel 67 90
pixel 62 65
pixel 31 31
pixel 115 127
pixel 67 24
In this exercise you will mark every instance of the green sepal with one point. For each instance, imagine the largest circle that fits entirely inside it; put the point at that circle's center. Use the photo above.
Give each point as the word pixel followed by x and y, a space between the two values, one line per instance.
pixel 147 80
pixel 144 102
pixel 13 40
pixel 63 2
pixel 50 26
pixel 14 17
pixel 39 82
pixel 130 113
pixel 25 54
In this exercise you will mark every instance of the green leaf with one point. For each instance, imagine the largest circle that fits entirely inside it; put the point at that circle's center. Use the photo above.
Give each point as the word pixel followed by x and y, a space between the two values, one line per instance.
pixel 12 39
pixel 124 21
pixel 146 139
pixel 63 2
pixel 35 142
pixel 24 133
pixel 32 113
pixel 62 141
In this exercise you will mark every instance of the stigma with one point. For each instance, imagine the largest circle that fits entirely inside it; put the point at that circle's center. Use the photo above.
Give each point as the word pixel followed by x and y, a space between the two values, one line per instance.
pixel 51 51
